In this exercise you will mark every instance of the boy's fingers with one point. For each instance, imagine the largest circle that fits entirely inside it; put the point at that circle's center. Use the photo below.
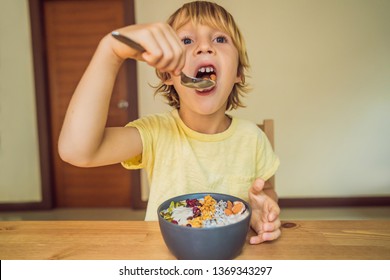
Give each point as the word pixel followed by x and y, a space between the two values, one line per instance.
pixel 257 186
pixel 158 47
pixel 179 51
pixel 171 47
pixel 274 213
pixel 265 236
pixel 256 240
pixel 272 226
pixel 268 236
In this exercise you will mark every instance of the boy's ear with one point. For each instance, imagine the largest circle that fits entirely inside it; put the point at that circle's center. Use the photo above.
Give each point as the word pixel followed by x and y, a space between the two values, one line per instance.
pixel 238 78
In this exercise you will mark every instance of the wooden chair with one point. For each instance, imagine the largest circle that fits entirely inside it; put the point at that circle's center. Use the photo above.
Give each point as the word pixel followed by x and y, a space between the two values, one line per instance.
pixel 268 128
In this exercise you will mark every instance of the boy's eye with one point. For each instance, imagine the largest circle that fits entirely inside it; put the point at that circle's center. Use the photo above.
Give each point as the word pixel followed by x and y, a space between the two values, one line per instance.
pixel 186 41
pixel 221 39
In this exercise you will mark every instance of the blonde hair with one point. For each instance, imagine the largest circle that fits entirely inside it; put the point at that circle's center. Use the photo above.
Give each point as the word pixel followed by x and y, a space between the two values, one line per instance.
pixel 213 15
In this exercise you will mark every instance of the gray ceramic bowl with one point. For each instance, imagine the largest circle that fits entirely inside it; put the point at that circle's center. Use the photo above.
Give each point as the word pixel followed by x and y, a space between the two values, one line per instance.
pixel 214 243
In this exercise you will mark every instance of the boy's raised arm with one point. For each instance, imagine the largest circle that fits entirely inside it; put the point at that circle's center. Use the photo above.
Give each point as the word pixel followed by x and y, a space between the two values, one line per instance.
pixel 84 140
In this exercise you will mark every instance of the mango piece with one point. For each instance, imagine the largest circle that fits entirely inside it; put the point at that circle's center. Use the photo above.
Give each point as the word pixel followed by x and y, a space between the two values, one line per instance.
pixel 238 207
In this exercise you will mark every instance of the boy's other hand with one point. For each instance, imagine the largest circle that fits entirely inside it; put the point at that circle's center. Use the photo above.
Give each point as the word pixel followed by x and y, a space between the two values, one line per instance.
pixel 265 214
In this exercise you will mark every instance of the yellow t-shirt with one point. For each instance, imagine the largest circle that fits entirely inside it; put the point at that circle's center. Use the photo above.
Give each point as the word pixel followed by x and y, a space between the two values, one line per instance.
pixel 179 160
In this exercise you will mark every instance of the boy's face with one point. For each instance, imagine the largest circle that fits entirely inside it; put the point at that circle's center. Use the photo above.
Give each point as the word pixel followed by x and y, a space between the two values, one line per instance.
pixel 208 51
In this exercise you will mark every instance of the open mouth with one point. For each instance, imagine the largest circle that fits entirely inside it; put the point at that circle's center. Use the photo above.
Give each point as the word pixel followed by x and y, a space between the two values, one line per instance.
pixel 207 73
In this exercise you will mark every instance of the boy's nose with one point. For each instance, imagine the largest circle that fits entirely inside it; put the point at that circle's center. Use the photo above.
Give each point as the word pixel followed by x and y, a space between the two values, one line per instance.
pixel 204 47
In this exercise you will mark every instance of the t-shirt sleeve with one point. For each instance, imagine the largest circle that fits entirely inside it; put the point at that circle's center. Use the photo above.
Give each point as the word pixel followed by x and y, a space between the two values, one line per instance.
pixel 267 161
pixel 140 160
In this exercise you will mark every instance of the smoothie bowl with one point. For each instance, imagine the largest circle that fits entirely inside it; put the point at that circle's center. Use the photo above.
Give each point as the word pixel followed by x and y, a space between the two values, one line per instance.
pixel 202 226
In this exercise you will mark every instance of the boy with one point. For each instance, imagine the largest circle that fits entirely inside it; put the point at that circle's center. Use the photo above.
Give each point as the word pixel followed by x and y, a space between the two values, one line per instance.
pixel 195 148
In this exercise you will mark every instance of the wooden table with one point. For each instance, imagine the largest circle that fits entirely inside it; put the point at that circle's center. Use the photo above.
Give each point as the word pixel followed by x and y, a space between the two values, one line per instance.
pixel 94 240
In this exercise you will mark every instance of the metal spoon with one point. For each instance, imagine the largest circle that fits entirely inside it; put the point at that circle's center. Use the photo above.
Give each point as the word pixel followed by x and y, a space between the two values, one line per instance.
pixel 187 81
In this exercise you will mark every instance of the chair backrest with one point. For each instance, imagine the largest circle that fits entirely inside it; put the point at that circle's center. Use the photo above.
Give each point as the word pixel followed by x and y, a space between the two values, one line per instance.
pixel 268 128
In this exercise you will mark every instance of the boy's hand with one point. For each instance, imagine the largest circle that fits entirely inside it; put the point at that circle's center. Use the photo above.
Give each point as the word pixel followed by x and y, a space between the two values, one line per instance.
pixel 265 214
pixel 163 48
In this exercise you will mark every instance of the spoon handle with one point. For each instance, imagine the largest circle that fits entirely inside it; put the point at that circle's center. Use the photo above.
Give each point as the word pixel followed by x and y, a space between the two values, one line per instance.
pixel 127 41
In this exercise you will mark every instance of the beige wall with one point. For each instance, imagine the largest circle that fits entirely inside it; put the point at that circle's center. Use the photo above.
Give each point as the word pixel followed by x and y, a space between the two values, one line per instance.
pixel 319 68
pixel 19 158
